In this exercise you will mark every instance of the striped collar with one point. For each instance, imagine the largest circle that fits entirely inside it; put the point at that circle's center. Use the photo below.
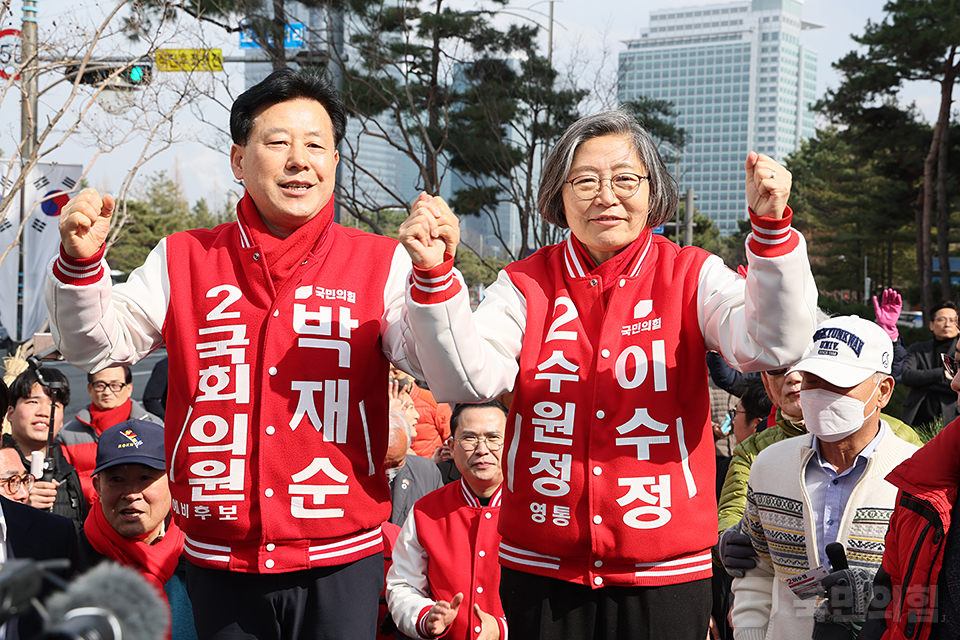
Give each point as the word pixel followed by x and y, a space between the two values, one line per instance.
pixel 576 268
pixel 471 499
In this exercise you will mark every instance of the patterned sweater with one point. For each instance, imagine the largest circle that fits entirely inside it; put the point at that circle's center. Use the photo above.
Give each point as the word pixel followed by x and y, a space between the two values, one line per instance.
pixel 779 522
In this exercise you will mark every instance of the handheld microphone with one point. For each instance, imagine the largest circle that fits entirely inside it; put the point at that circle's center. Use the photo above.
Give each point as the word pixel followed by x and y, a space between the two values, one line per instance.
pixel 109 602
pixel 36 464
pixel 838 556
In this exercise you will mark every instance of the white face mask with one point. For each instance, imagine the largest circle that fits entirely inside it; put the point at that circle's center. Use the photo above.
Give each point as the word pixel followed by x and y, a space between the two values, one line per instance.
pixel 831 416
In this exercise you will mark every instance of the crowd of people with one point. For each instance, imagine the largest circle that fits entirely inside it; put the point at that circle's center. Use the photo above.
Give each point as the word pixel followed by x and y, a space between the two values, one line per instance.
pixel 338 446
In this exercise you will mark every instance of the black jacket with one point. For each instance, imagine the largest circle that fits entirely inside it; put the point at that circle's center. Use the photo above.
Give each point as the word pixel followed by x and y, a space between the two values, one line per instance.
pixel 70 502
pixel 38 535
pixel 923 373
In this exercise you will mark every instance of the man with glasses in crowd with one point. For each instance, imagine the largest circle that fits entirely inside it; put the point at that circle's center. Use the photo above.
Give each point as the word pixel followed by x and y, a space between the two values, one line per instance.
pixel 111 403
pixel 445 574
pixel 15 482
pixel 930 394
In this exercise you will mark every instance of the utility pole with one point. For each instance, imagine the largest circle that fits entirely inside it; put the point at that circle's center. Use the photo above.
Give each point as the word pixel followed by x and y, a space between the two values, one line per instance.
pixel 688 232
pixel 676 217
pixel 28 127
pixel 337 58
pixel 550 38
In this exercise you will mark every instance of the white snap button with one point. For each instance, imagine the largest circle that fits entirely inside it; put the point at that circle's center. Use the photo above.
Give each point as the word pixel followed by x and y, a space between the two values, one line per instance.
pixel 598 580
pixel 268 564
pixel 273 371
pixel 487 516
pixel 597 519
pixel 271 546
pixel 482 553
pixel 622 282
pixel 597 471
pixel 276 312
pixel 598 563
pixel 479 589
pixel 600 414
pixel 268 493
pixel 270 431
pixel 476 629
pixel 605 353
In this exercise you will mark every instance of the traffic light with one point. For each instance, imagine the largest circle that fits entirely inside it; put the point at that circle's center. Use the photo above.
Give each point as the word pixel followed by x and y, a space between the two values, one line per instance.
pixel 138 73
pixel 115 74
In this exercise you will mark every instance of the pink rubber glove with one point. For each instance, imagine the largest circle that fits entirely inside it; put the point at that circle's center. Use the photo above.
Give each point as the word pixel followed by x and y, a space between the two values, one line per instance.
pixel 888 312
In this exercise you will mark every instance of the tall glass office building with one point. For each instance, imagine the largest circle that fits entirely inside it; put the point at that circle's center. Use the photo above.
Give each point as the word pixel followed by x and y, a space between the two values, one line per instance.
pixel 740 79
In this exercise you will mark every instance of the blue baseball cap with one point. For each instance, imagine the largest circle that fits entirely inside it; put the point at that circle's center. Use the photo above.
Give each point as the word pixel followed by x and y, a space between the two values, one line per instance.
pixel 131 442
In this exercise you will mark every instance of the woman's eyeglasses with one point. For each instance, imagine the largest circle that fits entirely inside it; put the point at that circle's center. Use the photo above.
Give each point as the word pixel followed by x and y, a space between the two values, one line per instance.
pixel 623 185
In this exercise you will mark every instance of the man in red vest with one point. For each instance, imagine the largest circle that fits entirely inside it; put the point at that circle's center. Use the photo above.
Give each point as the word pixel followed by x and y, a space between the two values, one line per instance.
pixel 280 327
pixel 445 575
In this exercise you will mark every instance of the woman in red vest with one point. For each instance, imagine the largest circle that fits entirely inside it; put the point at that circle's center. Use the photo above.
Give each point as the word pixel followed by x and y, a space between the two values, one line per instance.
pixel 608 512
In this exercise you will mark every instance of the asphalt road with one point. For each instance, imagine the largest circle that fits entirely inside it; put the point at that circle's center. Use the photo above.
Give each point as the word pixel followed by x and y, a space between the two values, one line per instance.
pixel 79 398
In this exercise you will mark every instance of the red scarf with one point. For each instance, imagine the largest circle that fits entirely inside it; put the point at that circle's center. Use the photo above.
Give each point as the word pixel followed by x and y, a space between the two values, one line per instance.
pixel 283 255
pixel 103 419
pixel 155 562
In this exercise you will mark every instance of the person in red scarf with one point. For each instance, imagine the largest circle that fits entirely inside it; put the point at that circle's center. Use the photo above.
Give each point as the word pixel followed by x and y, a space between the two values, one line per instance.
pixel 132 523
pixel 279 327
pixel 110 403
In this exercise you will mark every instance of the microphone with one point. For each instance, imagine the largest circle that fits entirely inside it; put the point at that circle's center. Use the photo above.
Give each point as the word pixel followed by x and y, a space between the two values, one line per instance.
pixel 21 580
pixel 838 556
pixel 109 602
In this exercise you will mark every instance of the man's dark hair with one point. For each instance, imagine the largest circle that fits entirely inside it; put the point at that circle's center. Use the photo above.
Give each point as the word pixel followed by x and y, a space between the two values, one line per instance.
pixel 463 406
pixel 280 86
pixel 8 442
pixel 754 397
pixel 4 398
pixel 127 375
pixel 946 304
pixel 22 386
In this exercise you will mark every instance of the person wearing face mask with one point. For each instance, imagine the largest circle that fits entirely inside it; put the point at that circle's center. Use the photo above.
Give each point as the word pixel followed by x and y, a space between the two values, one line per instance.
pixel 734 550
pixel 826 486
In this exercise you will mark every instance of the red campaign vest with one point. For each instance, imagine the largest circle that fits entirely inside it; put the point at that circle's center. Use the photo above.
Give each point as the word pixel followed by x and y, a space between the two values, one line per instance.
pixel 460 538
pixel 608 463
pixel 277 431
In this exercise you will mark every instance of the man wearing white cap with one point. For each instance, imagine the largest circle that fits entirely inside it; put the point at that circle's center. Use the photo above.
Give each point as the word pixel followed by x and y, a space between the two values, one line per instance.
pixel 826 486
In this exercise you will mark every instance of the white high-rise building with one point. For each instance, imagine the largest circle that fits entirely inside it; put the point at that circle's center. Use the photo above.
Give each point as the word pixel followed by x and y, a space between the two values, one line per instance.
pixel 740 79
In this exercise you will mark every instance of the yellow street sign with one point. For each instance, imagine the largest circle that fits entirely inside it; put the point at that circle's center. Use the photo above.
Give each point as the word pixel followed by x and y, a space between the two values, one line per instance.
pixel 189 60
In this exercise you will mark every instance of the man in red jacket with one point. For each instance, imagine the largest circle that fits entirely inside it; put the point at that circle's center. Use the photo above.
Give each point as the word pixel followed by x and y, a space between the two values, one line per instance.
pixel 280 327
pixel 445 575
pixel 917 589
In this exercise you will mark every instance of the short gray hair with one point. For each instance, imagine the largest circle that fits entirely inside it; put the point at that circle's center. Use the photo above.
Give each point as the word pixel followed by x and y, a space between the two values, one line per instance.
pixel 664 192
pixel 398 422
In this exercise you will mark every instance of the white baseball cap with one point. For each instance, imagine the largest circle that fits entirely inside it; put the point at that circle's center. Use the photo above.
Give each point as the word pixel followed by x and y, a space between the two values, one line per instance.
pixel 847 350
